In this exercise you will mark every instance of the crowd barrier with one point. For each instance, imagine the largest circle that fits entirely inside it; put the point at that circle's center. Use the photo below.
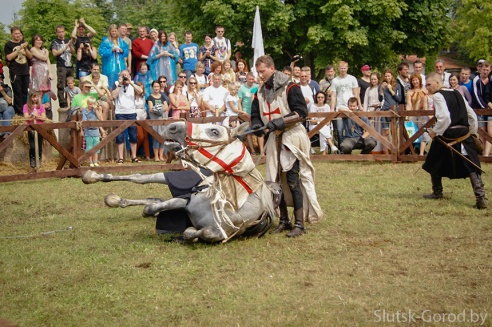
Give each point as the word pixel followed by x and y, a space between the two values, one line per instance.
pixel 399 145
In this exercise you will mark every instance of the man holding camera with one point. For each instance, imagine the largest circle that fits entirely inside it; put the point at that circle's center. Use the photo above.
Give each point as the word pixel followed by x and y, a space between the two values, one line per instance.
pixel 279 106
pixel 62 49
pixel 6 110
pixel 124 95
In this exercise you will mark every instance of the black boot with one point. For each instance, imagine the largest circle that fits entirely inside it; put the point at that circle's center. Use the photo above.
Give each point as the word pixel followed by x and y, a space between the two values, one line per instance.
pixel 436 188
pixel 32 161
pixel 477 185
pixel 299 224
pixel 284 223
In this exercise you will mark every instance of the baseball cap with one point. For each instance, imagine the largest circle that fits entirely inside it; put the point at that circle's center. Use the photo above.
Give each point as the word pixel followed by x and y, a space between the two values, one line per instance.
pixel 365 67
pixel 480 61
pixel 153 30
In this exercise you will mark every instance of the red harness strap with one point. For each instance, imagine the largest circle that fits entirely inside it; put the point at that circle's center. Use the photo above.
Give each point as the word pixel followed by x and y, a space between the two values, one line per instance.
pixel 228 168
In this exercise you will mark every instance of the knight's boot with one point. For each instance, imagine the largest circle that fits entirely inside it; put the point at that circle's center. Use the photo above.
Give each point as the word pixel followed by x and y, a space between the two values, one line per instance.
pixel 284 223
pixel 436 188
pixel 477 185
pixel 298 225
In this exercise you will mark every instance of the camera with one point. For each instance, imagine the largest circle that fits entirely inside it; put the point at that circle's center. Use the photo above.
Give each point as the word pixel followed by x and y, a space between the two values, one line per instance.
pixel 87 45
pixel 296 57
pixel 125 79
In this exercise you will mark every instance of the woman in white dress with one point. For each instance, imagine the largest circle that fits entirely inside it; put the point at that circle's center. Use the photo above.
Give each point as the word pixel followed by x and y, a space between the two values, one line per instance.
pixel 325 135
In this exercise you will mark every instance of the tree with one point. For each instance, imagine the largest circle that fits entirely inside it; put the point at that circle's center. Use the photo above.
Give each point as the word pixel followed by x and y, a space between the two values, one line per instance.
pixel 371 31
pixel 42 17
pixel 473 23
pixel 152 13
pixel 4 37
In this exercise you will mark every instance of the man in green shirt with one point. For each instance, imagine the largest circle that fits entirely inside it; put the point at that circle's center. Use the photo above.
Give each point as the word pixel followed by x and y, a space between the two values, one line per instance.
pixel 80 100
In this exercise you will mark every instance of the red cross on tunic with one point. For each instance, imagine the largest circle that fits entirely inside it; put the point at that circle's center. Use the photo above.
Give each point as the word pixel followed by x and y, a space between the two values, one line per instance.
pixel 270 113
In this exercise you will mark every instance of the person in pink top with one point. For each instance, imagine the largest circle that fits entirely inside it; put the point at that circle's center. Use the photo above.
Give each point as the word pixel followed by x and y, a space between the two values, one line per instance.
pixel 179 102
pixel 34 113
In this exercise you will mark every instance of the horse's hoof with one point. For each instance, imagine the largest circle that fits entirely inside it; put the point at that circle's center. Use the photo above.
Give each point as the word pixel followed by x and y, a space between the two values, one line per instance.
pixel 90 177
pixel 112 200
pixel 150 210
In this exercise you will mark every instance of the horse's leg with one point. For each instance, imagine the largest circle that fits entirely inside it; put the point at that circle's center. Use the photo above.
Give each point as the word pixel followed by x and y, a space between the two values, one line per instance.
pixel 90 177
pixel 208 234
pixel 153 209
pixel 114 201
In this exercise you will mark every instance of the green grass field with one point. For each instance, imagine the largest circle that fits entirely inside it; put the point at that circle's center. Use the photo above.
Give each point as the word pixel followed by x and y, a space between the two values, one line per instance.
pixel 382 255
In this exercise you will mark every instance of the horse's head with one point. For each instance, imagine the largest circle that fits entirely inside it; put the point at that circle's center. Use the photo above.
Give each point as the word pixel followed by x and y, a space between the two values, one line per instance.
pixel 213 146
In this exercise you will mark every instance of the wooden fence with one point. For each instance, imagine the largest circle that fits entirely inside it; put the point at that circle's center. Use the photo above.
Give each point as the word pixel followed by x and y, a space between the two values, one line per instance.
pixel 399 146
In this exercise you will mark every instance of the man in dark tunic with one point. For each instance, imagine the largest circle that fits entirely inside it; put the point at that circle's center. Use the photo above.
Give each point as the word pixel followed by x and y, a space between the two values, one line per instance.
pixel 456 121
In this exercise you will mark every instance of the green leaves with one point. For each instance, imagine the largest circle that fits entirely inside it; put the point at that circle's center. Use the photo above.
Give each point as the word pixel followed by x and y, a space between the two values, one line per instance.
pixel 474 24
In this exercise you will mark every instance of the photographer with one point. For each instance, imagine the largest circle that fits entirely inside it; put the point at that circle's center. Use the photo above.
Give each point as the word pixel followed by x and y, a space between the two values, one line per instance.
pixel 79 36
pixel 124 95
pixel 86 56
pixel 6 110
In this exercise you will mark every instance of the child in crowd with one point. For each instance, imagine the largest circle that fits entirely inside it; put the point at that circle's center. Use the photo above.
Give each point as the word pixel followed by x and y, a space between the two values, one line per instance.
pixel 200 77
pixel 143 75
pixel 233 106
pixel 158 109
pixel 34 113
pixel 92 135
pixel 228 74
pixel 71 90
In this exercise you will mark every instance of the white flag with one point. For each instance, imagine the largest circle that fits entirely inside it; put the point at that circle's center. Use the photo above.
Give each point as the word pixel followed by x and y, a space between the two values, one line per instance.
pixel 257 43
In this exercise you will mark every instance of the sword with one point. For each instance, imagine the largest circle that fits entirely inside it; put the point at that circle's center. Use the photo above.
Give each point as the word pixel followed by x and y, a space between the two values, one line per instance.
pixel 456 151
pixel 251 131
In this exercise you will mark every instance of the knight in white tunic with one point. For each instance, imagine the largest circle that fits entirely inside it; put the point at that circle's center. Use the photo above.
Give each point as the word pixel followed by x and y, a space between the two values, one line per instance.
pixel 277 102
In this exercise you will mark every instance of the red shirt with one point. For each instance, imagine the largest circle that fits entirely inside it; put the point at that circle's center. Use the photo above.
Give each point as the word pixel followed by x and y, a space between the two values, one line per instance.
pixel 141 48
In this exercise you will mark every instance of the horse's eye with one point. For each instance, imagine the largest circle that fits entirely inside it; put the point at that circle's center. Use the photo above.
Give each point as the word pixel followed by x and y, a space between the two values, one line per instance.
pixel 215 131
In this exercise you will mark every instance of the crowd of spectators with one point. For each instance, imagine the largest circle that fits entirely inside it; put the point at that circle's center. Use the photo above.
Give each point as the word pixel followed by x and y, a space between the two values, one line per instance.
pixel 154 73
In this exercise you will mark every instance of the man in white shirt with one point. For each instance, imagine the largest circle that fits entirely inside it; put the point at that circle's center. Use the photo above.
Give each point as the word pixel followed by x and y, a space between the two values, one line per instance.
pixel 223 44
pixel 214 97
pixel 440 69
pixel 307 90
pixel 124 95
pixel 343 87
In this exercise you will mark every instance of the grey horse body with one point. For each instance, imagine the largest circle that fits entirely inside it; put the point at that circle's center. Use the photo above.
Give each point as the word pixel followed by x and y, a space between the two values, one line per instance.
pixel 209 224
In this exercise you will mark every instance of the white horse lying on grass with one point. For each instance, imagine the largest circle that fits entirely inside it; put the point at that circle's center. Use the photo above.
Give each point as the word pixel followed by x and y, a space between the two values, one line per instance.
pixel 232 200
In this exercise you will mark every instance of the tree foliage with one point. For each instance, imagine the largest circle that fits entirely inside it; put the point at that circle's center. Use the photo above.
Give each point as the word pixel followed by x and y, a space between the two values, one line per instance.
pixel 375 32
pixel 474 26
pixel 371 31
pixel 42 17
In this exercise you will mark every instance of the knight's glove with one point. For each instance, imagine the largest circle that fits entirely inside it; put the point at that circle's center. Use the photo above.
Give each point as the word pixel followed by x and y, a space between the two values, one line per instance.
pixel 276 124
pixel 259 132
